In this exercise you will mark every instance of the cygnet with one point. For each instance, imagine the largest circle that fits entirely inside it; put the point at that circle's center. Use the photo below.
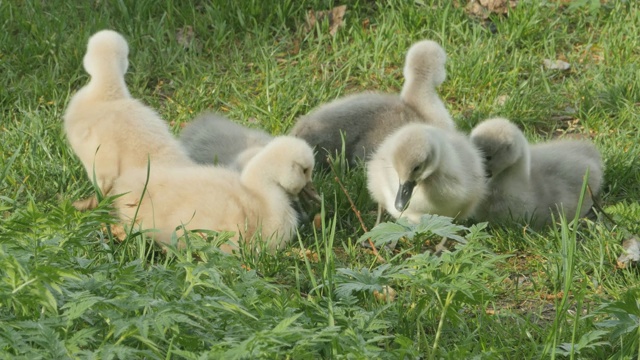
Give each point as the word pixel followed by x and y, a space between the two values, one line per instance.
pixel 213 139
pixel 256 201
pixel 366 119
pixel 531 182
pixel 108 130
pixel 422 169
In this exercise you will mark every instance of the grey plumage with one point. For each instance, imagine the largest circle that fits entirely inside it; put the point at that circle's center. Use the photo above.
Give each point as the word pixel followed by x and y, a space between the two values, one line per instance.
pixel 531 182
pixel 366 119
pixel 213 139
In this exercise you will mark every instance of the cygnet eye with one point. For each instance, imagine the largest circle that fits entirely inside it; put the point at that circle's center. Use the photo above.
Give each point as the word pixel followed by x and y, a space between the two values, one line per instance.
pixel 416 169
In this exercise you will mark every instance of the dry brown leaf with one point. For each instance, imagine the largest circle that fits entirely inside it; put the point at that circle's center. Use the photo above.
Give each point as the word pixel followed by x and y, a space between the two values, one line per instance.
pixel 571 128
pixel 317 221
pixel 552 296
pixel 86 204
pixel 185 36
pixel 308 254
pixel 117 231
pixel 173 123
pixel 474 8
pixel 590 53
pixel 501 100
pixel 388 294
pixel 312 256
pixel 521 280
pixel 366 23
pixel 335 17
pixel 556 64
pixel 568 2
pixel 484 8
pixel 631 253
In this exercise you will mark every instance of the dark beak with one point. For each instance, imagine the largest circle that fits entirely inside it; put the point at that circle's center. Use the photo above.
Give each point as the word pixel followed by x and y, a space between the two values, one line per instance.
pixel 404 195
pixel 309 192
pixel 488 174
pixel 307 202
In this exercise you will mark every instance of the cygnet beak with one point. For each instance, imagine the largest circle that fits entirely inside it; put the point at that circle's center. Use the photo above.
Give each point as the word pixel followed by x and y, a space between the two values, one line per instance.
pixel 404 195
pixel 308 202
pixel 309 192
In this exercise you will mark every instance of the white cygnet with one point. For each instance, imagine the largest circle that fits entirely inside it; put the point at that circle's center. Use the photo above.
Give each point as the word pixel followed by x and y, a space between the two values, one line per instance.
pixel 366 119
pixel 256 201
pixel 422 169
pixel 213 139
pixel 532 182
pixel 107 129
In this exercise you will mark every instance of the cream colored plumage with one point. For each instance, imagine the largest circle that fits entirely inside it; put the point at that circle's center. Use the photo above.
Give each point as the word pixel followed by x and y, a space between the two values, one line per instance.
pixel 366 119
pixel 530 182
pixel 108 130
pixel 242 159
pixel 257 200
pixel 422 169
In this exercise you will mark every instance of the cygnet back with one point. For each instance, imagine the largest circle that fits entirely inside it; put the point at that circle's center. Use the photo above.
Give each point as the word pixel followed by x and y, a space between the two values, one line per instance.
pixel 366 119
pixel 213 139
pixel 557 172
pixel 529 182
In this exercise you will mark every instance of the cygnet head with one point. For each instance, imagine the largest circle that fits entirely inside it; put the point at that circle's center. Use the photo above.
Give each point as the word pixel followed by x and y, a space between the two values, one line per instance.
pixel 106 50
pixel 425 60
pixel 501 143
pixel 286 160
pixel 415 157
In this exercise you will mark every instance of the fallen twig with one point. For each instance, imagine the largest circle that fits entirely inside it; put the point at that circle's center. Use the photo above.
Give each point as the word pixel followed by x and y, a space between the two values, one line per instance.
pixel 357 212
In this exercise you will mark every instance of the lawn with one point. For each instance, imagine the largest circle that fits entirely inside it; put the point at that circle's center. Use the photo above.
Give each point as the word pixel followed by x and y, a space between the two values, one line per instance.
pixel 70 289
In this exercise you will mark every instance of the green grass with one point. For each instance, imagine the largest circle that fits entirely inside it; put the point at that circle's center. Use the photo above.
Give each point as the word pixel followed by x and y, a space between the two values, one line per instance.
pixel 68 290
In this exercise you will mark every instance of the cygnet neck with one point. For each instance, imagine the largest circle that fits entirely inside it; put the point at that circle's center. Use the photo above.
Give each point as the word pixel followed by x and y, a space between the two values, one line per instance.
pixel 443 166
pixel 416 89
pixel 108 84
pixel 421 95
pixel 277 215
pixel 257 176
pixel 520 170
